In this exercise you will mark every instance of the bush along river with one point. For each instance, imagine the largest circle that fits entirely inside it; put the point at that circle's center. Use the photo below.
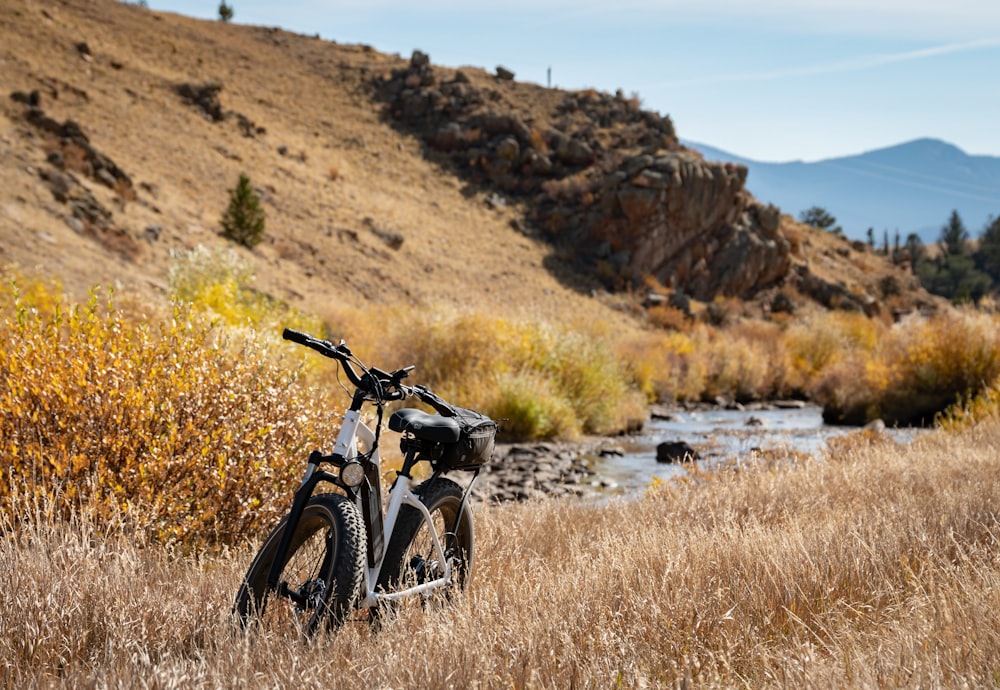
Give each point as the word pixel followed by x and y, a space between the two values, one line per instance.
pixel 626 465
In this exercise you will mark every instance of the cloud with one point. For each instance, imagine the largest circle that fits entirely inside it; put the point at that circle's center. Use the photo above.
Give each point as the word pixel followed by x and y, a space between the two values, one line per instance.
pixel 854 64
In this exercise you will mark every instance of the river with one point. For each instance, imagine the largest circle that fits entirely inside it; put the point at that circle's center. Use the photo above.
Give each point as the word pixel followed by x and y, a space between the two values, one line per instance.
pixel 717 434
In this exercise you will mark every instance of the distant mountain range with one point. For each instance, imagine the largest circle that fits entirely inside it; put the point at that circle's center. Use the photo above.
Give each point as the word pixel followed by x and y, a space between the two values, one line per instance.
pixel 909 188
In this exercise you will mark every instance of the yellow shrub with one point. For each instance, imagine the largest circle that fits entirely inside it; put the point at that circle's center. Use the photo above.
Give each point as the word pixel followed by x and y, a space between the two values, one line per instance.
pixel 200 433
pixel 667 366
pixel 825 339
pixel 484 361
pixel 919 367
pixel 220 283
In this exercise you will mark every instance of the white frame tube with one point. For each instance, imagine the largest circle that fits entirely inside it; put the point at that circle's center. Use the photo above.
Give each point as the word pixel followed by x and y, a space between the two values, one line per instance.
pixel 351 431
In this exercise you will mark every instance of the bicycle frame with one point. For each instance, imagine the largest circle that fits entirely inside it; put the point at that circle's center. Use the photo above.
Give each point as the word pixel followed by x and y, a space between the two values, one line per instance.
pixel 368 498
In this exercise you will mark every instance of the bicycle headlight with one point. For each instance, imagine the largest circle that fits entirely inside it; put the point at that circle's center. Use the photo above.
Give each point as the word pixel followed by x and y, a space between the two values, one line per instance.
pixel 352 473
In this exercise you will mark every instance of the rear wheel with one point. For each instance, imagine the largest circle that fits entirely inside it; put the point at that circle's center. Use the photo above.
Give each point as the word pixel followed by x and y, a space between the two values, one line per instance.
pixel 411 558
pixel 321 578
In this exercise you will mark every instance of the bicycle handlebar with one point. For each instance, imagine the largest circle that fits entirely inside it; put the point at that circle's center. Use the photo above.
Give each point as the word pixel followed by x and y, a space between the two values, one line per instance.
pixel 387 386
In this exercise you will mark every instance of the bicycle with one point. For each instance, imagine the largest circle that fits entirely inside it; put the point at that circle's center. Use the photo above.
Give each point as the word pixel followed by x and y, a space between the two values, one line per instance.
pixel 338 552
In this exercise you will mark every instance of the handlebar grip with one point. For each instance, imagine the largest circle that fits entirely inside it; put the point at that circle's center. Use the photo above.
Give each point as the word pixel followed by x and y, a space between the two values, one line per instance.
pixel 295 336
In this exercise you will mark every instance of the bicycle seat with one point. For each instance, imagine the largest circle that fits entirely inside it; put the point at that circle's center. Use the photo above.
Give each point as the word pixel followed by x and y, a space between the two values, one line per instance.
pixel 427 427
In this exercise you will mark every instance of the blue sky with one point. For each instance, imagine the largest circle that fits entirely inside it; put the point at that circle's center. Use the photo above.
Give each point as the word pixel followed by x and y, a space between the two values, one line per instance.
pixel 769 80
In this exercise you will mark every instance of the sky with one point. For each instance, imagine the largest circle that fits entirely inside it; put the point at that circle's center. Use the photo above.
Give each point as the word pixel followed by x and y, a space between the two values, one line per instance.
pixel 768 80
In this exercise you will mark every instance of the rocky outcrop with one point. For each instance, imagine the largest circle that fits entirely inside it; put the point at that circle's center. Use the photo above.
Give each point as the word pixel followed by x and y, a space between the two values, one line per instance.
pixel 688 223
pixel 70 149
pixel 205 99
pixel 70 152
pixel 603 178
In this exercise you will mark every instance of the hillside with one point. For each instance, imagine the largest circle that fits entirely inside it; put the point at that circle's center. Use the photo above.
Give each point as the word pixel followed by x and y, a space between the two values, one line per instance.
pixel 909 188
pixel 123 130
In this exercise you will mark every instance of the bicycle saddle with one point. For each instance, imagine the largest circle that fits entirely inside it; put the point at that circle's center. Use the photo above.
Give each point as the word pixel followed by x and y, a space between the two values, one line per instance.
pixel 427 427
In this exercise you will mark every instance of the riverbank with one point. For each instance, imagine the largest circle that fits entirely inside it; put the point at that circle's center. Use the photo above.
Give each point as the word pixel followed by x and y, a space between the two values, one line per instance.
pixel 524 471
pixel 624 465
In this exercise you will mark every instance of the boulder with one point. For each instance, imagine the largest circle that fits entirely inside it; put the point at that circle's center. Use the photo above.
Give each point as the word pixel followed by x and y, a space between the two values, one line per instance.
pixel 676 451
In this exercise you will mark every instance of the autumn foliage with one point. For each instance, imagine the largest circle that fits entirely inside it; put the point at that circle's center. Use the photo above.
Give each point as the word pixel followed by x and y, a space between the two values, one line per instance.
pixel 196 431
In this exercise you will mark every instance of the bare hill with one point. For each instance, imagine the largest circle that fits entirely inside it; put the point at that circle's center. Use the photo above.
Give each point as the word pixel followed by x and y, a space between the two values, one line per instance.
pixel 123 129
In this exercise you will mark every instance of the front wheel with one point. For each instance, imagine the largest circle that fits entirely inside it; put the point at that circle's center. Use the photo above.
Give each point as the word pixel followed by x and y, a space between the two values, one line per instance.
pixel 322 576
pixel 410 557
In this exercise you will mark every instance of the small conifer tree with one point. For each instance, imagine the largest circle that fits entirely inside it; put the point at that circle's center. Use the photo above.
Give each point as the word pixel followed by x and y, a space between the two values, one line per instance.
pixel 243 221
pixel 225 11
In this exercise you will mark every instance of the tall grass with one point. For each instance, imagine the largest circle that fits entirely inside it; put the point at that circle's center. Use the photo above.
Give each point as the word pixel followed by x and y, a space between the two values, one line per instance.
pixel 874 567
pixel 542 380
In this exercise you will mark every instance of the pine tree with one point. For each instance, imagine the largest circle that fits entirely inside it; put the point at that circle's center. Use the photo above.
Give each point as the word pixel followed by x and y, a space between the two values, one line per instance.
pixel 225 11
pixel 916 249
pixel 243 221
pixel 819 217
pixel 988 254
pixel 954 236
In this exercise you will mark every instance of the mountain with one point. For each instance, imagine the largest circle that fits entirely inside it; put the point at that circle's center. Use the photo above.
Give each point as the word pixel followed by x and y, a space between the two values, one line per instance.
pixel 909 188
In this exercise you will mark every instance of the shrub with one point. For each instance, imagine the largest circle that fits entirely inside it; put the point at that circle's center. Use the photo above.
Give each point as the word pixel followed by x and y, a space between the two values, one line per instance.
pixel 919 368
pixel 666 366
pixel 529 408
pixel 243 221
pixel 821 341
pixel 220 283
pixel 485 361
pixel 158 417
pixel 747 362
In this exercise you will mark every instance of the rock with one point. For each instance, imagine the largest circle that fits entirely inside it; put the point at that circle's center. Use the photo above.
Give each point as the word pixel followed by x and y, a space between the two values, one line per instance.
pixel 876 425
pixel 789 404
pixel 574 152
pixel 835 295
pixel 661 413
pixel 32 99
pixel 448 138
pixel 203 96
pixel 504 74
pixel 496 202
pixel 58 183
pixel 667 213
pixel 105 178
pixel 508 150
pixel 675 451
pixel 419 59
pixel 678 300
pixel 782 304
pixel 75 224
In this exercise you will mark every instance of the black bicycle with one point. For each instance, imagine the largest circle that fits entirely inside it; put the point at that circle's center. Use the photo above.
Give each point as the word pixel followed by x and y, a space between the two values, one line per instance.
pixel 338 552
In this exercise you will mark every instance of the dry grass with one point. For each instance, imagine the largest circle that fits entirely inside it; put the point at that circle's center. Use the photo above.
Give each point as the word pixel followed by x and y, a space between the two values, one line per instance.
pixel 874 568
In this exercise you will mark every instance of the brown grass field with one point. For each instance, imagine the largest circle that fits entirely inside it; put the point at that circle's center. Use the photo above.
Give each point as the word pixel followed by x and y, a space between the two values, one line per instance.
pixel 874 567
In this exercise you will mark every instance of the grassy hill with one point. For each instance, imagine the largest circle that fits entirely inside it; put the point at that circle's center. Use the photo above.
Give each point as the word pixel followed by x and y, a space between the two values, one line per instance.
pixel 357 210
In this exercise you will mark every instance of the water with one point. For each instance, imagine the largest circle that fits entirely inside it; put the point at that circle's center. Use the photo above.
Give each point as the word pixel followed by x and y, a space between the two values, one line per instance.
pixel 718 434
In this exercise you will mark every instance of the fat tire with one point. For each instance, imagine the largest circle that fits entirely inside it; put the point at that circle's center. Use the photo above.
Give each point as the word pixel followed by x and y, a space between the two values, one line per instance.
pixel 342 571
pixel 441 496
